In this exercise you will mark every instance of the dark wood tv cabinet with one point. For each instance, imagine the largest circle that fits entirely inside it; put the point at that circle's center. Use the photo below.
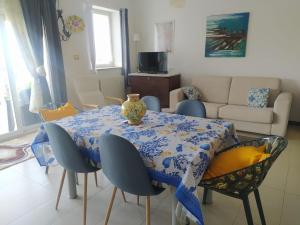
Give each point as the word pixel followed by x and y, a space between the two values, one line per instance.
pixel 158 85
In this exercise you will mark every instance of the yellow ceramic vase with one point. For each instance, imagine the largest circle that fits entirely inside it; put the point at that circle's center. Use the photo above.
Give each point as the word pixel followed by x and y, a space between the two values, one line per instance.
pixel 133 109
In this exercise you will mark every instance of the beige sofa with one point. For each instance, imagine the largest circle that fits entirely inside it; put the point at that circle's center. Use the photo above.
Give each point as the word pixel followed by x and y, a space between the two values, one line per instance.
pixel 227 98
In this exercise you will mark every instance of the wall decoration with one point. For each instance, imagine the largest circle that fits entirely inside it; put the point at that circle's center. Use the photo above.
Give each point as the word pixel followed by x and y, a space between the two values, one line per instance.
pixel 226 35
pixel 63 32
pixel 75 24
pixel 177 3
pixel 164 36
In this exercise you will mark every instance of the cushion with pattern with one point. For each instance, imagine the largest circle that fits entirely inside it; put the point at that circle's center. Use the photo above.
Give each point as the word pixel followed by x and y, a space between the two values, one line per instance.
pixel 258 97
pixel 192 93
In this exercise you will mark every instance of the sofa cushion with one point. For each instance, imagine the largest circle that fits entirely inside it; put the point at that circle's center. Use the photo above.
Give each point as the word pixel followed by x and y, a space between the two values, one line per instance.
pixel 191 92
pixel 212 109
pixel 240 87
pixel 213 89
pixel 258 97
pixel 261 128
pixel 245 113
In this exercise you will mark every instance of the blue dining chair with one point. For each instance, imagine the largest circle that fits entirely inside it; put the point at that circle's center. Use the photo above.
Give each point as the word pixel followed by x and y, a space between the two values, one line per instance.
pixel 44 117
pixel 152 103
pixel 123 166
pixel 191 108
pixel 68 156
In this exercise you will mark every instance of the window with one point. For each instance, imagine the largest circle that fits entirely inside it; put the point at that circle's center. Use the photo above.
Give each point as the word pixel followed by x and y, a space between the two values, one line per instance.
pixel 15 84
pixel 107 36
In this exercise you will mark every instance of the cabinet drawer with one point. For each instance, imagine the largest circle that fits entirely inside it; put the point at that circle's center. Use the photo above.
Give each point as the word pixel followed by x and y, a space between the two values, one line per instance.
pixel 154 86
pixel 147 81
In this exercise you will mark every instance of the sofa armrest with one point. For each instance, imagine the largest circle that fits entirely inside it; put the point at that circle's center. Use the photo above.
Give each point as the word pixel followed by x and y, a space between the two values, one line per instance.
pixel 175 97
pixel 282 107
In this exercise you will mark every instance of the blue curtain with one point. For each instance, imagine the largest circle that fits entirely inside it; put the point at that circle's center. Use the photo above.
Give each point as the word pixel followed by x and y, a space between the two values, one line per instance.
pixel 41 21
pixel 125 46
pixel 55 58
pixel 32 15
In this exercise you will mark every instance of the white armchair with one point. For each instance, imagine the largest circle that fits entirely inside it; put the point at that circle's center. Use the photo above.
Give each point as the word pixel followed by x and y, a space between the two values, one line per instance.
pixel 88 91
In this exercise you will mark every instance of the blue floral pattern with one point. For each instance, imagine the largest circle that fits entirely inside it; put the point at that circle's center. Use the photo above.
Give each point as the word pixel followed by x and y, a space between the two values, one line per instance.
pixel 176 149
pixel 258 97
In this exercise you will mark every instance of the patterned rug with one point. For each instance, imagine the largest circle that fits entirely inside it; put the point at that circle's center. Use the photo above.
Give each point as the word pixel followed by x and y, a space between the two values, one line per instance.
pixel 11 155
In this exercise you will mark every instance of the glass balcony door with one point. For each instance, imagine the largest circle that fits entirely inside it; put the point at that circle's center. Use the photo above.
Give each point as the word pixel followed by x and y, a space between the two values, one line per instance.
pixel 15 81
pixel 7 117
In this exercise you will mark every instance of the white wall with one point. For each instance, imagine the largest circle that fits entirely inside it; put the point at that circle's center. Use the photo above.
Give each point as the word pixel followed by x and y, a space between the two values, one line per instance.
pixel 273 47
pixel 111 79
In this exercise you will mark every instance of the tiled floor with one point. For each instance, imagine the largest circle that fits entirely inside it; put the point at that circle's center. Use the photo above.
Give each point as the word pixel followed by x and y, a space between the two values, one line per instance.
pixel 27 197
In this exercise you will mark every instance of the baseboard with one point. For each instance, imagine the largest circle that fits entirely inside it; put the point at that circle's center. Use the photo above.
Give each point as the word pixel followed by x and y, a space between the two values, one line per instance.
pixel 294 123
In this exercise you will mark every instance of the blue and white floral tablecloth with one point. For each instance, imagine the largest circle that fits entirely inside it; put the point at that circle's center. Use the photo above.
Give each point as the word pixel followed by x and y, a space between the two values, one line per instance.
pixel 176 149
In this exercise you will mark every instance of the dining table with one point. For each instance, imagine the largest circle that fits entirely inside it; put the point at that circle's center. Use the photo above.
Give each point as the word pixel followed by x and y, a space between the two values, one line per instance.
pixel 176 149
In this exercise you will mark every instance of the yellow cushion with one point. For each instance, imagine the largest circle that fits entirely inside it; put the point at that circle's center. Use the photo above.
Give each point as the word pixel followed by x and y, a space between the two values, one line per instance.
pixel 55 114
pixel 262 148
pixel 235 159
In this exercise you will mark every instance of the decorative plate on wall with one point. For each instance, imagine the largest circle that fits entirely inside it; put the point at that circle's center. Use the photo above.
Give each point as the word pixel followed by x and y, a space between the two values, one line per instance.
pixel 75 24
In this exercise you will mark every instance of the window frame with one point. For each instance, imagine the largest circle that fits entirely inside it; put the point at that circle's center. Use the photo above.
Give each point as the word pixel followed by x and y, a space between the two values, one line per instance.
pixel 108 13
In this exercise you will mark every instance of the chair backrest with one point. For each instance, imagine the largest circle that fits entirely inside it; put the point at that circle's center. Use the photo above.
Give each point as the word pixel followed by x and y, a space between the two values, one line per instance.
pixel 152 103
pixel 191 108
pixel 248 179
pixel 88 91
pixel 65 150
pixel 123 166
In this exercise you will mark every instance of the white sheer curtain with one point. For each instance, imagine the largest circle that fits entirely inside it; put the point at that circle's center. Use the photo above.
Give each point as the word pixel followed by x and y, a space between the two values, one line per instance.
pixel 88 12
pixel 13 14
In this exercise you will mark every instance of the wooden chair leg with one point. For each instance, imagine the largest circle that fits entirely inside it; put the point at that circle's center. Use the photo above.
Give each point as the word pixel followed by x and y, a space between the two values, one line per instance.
pixel 259 206
pixel 110 206
pixel 85 198
pixel 148 211
pixel 138 200
pixel 96 179
pixel 123 195
pixel 247 210
pixel 60 188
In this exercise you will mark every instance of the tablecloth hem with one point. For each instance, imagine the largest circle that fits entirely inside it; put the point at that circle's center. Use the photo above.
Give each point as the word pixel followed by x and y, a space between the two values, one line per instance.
pixel 187 199
pixel 190 202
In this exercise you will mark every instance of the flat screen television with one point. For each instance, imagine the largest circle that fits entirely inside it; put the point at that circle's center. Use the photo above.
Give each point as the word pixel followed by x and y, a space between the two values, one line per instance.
pixel 153 62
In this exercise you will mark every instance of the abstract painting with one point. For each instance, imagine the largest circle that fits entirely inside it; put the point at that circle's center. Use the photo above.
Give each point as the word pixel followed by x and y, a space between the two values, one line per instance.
pixel 226 35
